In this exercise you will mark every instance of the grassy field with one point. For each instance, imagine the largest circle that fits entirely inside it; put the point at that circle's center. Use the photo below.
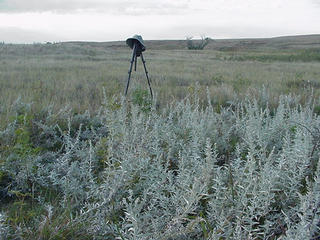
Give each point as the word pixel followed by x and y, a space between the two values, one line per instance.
pixel 229 150
pixel 76 73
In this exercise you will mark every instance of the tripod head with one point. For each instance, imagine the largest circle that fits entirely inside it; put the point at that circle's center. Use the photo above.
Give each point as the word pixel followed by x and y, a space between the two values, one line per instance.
pixel 137 44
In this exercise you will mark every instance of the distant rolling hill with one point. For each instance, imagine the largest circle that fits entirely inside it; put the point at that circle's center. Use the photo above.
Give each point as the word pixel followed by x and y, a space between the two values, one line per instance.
pixel 276 43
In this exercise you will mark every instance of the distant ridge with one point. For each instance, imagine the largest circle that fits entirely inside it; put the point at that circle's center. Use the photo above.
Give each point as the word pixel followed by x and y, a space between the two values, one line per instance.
pixel 274 43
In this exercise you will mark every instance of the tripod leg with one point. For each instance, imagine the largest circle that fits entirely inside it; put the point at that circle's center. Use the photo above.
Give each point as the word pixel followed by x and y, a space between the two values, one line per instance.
pixel 133 58
pixel 135 63
pixel 146 71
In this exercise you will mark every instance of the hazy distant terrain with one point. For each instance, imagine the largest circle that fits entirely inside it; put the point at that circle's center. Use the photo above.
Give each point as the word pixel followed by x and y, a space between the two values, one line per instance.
pixel 276 43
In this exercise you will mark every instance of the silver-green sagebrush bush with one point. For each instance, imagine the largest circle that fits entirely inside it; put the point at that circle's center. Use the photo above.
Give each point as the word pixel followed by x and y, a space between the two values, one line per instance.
pixel 185 172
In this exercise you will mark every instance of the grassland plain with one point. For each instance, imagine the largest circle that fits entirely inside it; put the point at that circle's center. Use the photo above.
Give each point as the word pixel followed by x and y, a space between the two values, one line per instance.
pixel 75 73
pixel 229 151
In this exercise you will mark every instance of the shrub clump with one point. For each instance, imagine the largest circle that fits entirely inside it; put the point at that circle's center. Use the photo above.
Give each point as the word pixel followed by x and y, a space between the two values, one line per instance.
pixel 197 45
pixel 185 172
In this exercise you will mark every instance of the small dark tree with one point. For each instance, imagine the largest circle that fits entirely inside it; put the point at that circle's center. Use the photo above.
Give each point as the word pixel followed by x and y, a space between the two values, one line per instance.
pixel 197 44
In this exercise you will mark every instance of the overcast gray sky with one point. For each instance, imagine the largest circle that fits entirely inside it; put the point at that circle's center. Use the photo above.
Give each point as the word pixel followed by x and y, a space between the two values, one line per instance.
pixel 106 20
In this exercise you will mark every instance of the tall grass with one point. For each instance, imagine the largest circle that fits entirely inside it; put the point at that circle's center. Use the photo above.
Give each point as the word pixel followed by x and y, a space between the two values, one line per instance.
pixel 75 74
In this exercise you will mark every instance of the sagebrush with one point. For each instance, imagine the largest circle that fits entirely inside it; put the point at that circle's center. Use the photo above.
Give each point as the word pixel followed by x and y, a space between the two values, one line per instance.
pixel 188 171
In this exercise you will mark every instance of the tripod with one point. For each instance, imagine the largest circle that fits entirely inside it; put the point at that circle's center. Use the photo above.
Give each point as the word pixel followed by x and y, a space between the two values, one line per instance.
pixel 137 52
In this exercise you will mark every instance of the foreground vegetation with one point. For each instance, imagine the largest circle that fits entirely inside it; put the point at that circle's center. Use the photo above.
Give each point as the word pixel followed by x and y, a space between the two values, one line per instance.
pixel 228 149
pixel 185 172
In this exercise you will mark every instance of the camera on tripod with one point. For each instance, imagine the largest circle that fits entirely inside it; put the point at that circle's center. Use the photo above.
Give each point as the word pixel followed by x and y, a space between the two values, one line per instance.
pixel 136 43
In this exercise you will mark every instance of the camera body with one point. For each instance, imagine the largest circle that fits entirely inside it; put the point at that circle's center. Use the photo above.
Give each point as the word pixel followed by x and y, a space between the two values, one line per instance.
pixel 136 42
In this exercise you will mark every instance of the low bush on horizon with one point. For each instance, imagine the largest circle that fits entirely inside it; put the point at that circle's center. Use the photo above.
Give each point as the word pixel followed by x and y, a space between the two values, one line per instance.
pixel 197 44
pixel 186 171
